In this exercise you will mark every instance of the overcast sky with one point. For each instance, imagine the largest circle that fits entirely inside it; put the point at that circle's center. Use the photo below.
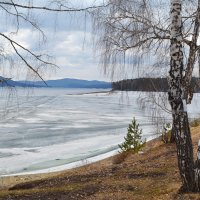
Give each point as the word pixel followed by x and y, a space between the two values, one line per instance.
pixel 68 40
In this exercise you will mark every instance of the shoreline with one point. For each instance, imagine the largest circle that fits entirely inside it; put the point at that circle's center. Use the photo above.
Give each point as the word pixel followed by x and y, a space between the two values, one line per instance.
pixel 7 181
pixel 69 166
pixel 73 165
pixel 95 92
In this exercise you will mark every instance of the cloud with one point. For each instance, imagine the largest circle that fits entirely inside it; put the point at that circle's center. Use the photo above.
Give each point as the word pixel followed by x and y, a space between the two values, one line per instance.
pixel 74 55
pixel 68 40
pixel 72 51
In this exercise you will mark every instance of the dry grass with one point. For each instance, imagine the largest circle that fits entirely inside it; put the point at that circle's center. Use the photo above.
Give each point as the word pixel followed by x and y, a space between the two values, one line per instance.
pixel 120 158
pixel 151 175
pixel 195 123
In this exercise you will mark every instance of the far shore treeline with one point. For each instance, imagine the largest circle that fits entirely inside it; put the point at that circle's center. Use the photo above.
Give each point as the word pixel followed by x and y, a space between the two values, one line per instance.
pixel 150 85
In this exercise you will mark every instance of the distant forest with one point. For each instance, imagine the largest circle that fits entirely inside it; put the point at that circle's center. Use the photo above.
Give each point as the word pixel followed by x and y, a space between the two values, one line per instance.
pixel 149 85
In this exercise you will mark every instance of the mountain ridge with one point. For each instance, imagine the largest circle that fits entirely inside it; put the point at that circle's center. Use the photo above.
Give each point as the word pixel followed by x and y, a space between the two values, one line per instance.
pixel 58 83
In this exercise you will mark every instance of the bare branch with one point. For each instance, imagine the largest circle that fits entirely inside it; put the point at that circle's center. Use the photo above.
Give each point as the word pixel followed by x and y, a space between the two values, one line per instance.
pixel 61 8
pixel 27 64
pixel 20 15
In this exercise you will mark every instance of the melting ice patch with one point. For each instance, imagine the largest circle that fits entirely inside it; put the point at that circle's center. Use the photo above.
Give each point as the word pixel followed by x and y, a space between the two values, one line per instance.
pixel 24 159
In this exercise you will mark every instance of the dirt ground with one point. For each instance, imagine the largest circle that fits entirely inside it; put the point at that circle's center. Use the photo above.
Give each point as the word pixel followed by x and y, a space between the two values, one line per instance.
pixel 152 174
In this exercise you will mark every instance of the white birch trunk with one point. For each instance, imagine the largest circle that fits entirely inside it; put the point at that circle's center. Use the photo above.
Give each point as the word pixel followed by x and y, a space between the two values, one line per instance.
pixel 177 101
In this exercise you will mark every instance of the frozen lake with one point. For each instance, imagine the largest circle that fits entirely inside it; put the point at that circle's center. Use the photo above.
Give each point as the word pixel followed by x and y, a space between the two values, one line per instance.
pixel 52 129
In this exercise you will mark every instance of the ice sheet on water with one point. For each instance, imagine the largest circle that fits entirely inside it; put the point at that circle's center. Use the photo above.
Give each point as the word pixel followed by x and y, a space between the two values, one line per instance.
pixel 6 154
pixel 67 127
pixel 64 153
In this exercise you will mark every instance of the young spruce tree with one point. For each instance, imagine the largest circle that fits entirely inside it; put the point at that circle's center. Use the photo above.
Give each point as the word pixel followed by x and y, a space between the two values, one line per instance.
pixel 133 141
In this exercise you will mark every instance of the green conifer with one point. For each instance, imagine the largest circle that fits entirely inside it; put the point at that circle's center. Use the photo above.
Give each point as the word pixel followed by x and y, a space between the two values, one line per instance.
pixel 133 141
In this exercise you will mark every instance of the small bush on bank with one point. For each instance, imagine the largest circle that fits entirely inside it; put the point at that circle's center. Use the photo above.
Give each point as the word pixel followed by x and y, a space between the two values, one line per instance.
pixel 167 133
pixel 120 158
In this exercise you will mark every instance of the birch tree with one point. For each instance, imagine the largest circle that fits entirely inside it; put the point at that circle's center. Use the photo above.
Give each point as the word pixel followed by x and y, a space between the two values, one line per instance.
pixel 130 30
pixel 177 100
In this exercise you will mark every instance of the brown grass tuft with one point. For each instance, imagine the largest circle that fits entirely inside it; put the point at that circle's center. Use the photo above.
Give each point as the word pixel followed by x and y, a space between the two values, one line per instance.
pixel 120 158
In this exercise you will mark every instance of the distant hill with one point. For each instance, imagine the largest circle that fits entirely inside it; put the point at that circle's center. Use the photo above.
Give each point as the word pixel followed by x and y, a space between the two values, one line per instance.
pixel 149 85
pixel 61 83
pixel 7 82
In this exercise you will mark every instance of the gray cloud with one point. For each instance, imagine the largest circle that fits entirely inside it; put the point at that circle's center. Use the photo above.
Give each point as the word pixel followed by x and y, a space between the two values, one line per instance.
pixel 68 40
